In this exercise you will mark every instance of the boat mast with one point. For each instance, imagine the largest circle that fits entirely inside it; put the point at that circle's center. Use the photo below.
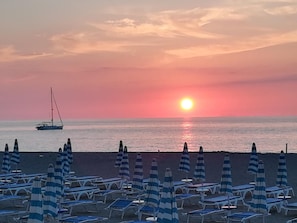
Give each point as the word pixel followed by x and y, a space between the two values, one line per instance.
pixel 53 96
pixel 52 109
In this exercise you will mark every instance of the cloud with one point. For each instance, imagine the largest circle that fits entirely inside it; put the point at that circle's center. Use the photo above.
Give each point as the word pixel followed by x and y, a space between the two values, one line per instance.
pixel 10 54
pixel 283 10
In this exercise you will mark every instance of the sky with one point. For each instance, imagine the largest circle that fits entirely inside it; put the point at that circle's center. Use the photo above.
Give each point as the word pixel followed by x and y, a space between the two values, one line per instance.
pixel 138 59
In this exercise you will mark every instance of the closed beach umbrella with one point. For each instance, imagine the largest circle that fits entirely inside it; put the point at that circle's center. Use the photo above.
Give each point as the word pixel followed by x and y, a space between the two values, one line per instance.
pixel 199 173
pixel 15 157
pixel 281 179
pixel 59 178
pixel 119 155
pixel 259 202
pixel 137 182
pixel 69 151
pixel 153 187
pixel 184 164
pixel 124 168
pixel 168 207
pixel 6 160
pixel 65 161
pixel 50 199
pixel 226 179
pixel 253 163
pixel 36 210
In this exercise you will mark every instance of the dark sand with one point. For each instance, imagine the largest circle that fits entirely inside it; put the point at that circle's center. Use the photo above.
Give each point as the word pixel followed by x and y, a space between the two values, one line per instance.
pixel 102 164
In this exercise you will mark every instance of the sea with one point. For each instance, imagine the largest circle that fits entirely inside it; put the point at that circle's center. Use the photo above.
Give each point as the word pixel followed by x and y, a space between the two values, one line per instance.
pixel 233 134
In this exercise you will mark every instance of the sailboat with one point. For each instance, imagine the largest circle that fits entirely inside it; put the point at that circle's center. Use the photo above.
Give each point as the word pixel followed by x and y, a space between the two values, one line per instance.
pixel 51 125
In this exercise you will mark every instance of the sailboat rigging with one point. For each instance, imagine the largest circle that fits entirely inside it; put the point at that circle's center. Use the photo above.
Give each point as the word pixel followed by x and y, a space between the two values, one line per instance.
pixel 51 125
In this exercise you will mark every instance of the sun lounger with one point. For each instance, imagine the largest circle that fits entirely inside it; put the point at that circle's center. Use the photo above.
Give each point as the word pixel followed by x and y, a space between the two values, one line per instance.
pixel 203 213
pixel 219 201
pixel 243 190
pixel 28 178
pixel 183 196
pixel 276 191
pixel 77 192
pixel 69 205
pixel 8 214
pixel 243 216
pixel 109 183
pixel 82 181
pixel 147 210
pixel 15 189
pixel 294 220
pixel 120 205
pixel 289 207
pixel 212 187
pixel 83 219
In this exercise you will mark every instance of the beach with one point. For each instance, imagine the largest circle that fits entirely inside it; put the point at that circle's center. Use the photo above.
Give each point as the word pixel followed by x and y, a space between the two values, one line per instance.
pixel 102 164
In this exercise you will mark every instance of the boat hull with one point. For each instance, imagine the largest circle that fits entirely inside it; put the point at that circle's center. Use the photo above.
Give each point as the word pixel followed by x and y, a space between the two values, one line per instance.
pixel 49 127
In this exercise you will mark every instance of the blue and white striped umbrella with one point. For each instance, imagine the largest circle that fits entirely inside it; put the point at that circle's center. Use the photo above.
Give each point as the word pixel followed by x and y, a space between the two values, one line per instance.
pixel 15 157
pixel 119 155
pixel 65 161
pixel 124 172
pixel 137 182
pixel 153 187
pixel 59 179
pixel 226 179
pixel 69 151
pixel 253 163
pixel 281 179
pixel 50 200
pixel 36 209
pixel 6 160
pixel 184 164
pixel 259 202
pixel 168 207
pixel 199 173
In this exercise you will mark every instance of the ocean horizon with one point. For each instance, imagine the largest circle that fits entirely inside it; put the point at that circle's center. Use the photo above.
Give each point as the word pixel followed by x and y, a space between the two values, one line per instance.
pixel 233 134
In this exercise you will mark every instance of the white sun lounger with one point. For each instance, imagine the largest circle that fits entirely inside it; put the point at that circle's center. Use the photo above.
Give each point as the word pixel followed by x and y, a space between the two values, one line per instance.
pixel 83 219
pixel 243 190
pixel 77 192
pixel 212 187
pixel 203 213
pixel 289 207
pixel 242 216
pixel 109 183
pixel 219 201
pixel 82 181
pixel 15 189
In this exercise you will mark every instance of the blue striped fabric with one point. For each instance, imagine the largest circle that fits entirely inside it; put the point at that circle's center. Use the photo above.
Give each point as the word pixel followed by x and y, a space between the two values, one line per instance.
pixel 253 163
pixel 59 178
pixel 36 209
pixel 226 179
pixel 50 199
pixel 65 161
pixel 281 179
pixel 199 173
pixel 124 172
pixel 259 202
pixel 184 164
pixel 15 157
pixel 168 207
pixel 119 155
pixel 6 160
pixel 69 151
pixel 137 182
pixel 153 186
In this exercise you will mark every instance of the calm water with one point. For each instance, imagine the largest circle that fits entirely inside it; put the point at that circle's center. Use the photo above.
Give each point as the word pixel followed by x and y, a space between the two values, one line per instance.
pixel 214 134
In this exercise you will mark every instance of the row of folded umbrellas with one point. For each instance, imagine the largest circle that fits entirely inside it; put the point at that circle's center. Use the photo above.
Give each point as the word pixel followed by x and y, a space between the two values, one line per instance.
pixel 255 167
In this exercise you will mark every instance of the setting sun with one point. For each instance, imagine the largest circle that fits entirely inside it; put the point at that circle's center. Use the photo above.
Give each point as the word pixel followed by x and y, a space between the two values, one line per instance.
pixel 186 103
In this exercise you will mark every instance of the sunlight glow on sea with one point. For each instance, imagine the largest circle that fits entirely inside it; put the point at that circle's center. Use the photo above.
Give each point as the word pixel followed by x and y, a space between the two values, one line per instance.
pixel 150 135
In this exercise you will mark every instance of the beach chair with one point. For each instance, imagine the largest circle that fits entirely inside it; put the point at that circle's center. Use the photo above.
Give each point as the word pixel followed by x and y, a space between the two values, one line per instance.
pixel 83 219
pixel 243 189
pixel 70 204
pixel 10 215
pixel 147 210
pixel 181 198
pixel 243 216
pixel 120 205
pixel 220 201
pixel 294 220
pixel 203 213
pixel 289 207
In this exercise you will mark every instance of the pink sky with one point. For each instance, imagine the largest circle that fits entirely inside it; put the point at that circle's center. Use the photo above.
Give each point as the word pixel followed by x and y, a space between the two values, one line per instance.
pixel 116 60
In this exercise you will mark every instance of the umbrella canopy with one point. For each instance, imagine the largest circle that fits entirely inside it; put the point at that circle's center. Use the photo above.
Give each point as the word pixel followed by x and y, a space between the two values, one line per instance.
pixel 124 168
pixel 137 182
pixel 36 210
pixel 119 155
pixel 168 207
pixel 50 199
pixel 226 179
pixel 253 163
pixel 15 157
pixel 153 187
pixel 59 178
pixel 184 164
pixel 199 173
pixel 69 151
pixel 281 179
pixel 259 202
pixel 65 161
pixel 6 160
